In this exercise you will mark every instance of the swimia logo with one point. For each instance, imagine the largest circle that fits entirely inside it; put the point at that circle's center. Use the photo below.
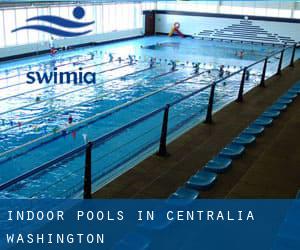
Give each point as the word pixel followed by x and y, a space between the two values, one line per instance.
pixel 78 13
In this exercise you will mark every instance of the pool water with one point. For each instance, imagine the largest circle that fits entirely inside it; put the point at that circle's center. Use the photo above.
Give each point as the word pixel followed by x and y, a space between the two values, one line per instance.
pixel 34 126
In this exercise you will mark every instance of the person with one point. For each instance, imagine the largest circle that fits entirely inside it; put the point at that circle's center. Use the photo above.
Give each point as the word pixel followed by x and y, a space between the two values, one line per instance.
pixel 130 60
pixel 197 67
pixel 92 56
pixel 221 71
pixel 119 59
pixel 111 58
pixel 151 62
pixel 241 54
pixel 53 50
pixel 70 119
pixel 247 76
pixel 173 63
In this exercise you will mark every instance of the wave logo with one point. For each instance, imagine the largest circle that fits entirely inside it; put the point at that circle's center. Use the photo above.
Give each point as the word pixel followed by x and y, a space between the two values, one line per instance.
pixel 78 13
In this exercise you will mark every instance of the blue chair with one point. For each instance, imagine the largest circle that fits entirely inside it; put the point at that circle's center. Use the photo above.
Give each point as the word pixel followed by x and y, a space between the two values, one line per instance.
pixel 278 106
pixel 263 121
pixel 289 95
pixel 232 151
pixel 284 101
pixel 244 139
pixel 218 164
pixel 133 241
pixel 294 91
pixel 271 114
pixel 202 180
pixel 254 130
pixel 185 193
pixel 296 86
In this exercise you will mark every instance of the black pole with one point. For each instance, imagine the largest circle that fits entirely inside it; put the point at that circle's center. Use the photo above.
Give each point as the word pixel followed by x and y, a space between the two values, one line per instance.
pixel 241 90
pixel 263 75
pixel 210 104
pixel 280 63
pixel 164 133
pixel 293 55
pixel 88 172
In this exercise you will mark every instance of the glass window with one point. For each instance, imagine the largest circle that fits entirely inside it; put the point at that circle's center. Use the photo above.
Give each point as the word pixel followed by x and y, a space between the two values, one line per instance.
pixel 285 13
pixel 2 37
pixel 272 12
pixel 260 11
pixel 99 19
pixel 296 14
pixel 9 25
pixel 119 13
pixel 34 35
pixel 22 35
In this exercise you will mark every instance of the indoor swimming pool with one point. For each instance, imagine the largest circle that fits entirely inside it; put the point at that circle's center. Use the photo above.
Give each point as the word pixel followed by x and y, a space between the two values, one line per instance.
pixel 42 122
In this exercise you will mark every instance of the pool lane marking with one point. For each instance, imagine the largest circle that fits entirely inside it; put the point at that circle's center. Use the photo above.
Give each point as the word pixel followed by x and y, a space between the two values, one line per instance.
pixel 81 149
pixel 48 61
pixel 52 85
pixel 53 98
pixel 92 119
pixel 59 65
pixel 89 66
pixel 86 101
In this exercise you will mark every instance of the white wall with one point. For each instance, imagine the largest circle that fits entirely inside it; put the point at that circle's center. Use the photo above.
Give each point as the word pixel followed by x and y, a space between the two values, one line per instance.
pixel 29 48
pixel 192 25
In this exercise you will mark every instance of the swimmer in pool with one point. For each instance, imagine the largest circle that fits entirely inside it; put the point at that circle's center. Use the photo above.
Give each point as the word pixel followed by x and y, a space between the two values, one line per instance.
pixel 173 63
pixel 130 58
pixel 221 71
pixel 196 67
pixel 111 58
pixel 247 76
pixel 241 54
pixel 70 119
pixel 151 62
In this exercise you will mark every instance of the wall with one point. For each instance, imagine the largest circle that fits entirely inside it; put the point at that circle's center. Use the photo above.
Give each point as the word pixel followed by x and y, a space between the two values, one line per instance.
pixel 258 29
pixel 29 48
pixel 112 20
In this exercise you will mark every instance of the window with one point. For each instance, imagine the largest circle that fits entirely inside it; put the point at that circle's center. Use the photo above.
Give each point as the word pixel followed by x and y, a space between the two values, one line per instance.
pixel 34 35
pixel 296 14
pixel 9 25
pixel 2 37
pixel 22 35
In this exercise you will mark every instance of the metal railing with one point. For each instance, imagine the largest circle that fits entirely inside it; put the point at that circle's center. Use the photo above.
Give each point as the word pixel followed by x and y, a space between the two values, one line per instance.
pixel 162 150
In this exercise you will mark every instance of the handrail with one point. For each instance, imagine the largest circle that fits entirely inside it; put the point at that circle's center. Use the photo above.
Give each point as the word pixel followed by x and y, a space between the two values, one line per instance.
pixel 135 122
pixel 95 141
pixel 91 119
pixel 255 63
pixel 77 104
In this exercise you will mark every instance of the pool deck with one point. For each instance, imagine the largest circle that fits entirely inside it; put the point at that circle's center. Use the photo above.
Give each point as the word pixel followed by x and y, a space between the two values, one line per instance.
pixel 269 169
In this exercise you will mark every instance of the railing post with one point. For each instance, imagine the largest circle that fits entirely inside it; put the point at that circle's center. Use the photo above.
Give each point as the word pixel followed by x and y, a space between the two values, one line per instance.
pixel 241 90
pixel 280 63
pixel 210 104
pixel 87 192
pixel 263 75
pixel 293 55
pixel 164 133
